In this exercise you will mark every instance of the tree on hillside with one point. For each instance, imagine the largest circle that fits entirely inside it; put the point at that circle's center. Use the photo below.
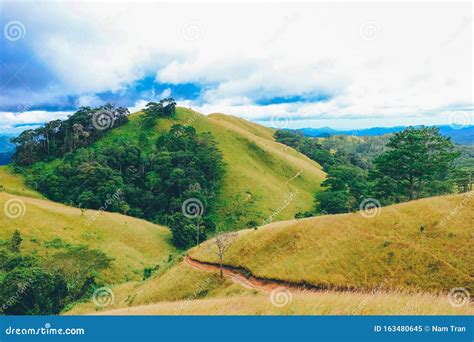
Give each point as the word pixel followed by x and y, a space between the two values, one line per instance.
pixel 223 242
pixel 417 164
pixel 346 188
pixel 154 110
pixel 15 241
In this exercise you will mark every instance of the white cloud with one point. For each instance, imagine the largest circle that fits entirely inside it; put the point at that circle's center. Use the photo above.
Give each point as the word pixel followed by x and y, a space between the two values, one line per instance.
pixel 392 61
pixel 9 120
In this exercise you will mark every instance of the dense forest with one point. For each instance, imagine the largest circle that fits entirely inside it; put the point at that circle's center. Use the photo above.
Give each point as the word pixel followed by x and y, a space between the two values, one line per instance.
pixel 176 184
pixel 411 164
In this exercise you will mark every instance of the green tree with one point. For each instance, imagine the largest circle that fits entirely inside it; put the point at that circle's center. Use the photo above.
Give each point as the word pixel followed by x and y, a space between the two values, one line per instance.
pixel 32 291
pixel 418 163
pixel 15 241
pixel 346 187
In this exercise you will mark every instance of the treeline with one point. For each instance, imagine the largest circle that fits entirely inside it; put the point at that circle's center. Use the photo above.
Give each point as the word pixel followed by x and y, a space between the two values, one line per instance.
pixel 412 164
pixel 34 285
pixel 58 137
pixel 174 180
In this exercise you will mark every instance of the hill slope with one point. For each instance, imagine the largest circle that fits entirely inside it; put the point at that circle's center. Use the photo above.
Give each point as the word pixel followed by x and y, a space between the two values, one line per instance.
pixel 263 177
pixel 424 244
pixel 46 226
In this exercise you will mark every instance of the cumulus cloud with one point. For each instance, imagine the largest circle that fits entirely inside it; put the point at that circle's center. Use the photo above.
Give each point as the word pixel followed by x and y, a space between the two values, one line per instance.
pixel 393 62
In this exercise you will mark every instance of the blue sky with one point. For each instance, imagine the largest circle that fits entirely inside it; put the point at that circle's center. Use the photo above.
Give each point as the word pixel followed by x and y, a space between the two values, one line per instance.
pixel 308 65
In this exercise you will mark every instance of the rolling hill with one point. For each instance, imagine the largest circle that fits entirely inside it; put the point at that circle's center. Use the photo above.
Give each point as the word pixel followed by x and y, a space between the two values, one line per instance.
pixel 46 226
pixel 424 244
pixel 402 261
pixel 263 178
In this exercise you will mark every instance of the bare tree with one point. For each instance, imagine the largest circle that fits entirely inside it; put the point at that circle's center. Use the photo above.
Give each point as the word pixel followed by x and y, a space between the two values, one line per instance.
pixel 199 227
pixel 223 242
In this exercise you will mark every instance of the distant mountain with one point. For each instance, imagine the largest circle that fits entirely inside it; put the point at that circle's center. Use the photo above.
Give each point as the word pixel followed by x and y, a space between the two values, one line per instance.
pixel 6 149
pixel 463 135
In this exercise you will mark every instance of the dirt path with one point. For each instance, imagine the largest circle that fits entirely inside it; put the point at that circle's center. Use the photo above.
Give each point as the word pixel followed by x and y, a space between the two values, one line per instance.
pixel 238 278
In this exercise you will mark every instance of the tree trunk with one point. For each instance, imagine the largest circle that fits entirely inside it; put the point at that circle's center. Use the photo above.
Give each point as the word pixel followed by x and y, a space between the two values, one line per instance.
pixel 220 266
pixel 411 187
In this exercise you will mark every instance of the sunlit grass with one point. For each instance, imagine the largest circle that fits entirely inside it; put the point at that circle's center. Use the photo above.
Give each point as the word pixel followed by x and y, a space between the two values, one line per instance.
pixel 415 245
pixel 133 244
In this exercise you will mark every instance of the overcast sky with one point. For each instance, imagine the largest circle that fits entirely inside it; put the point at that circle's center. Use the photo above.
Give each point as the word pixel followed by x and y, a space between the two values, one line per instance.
pixel 307 65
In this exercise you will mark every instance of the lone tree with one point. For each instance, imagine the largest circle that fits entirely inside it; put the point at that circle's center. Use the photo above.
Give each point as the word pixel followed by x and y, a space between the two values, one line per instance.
pixel 223 242
pixel 418 163
pixel 15 241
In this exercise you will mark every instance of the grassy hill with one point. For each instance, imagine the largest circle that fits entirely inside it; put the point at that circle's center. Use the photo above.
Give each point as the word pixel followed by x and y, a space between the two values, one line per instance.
pixel 263 177
pixel 424 244
pixel 47 227
pixel 15 184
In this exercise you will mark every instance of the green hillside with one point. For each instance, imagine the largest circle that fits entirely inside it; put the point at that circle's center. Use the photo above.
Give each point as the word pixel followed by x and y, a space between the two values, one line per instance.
pixel 47 227
pixel 424 244
pixel 264 180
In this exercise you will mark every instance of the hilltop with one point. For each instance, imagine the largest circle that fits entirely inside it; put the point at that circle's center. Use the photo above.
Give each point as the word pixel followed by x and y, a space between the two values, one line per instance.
pixel 263 181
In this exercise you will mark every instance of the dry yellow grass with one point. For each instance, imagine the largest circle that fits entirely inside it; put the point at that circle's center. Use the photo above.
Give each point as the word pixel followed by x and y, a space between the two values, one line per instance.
pixel 181 282
pixel 134 244
pixel 323 303
pixel 258 166
pixel 425 244
pixel 14 184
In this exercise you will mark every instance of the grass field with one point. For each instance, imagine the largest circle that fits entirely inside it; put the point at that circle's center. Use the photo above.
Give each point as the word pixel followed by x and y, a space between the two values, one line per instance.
pixel 180 282
pixel 134 244
pixel 323 303
pixel 14 184
pixel 420 245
